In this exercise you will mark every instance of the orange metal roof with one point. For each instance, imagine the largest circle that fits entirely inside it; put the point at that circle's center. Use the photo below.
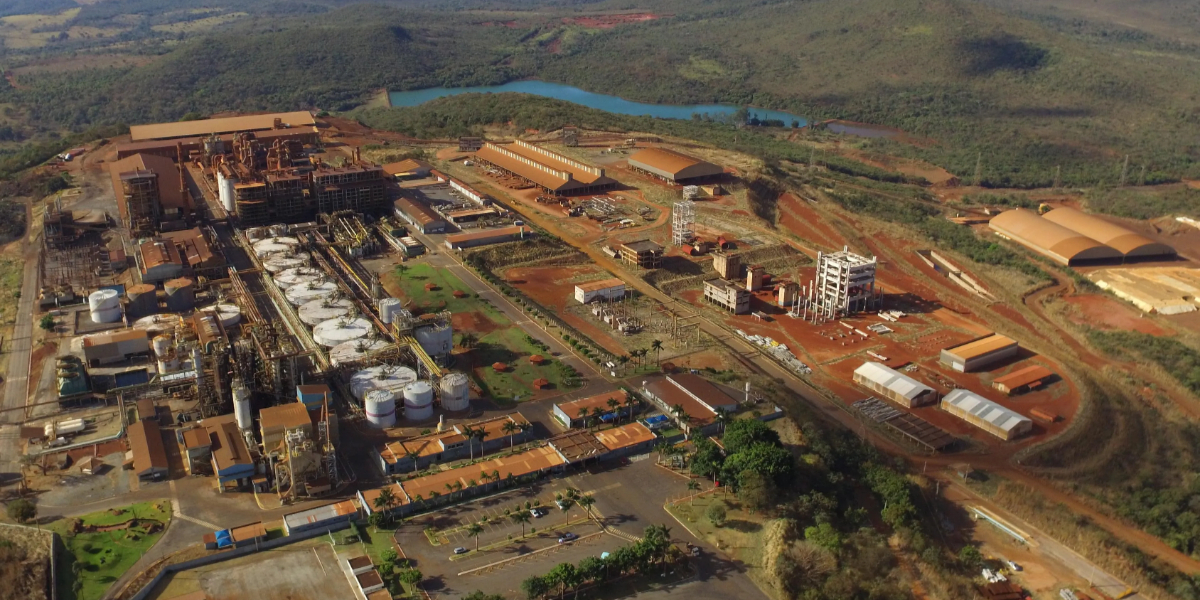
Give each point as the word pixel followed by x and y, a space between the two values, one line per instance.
pixel 284 417
pixel 530 461
pixel 1110 234
pixel 128 335
pixel 487 234
pixel 433 443
pixel 1022 377
pixel 230 447
pixel 698 414
pixel 556 172
pixel 598 401
pixel 1049 238
pixel 603 284
pixel 145 441
pixel 675 163
pixel 422 213
pixel 156 253
pixel 629 434
pixel 161 131
pixel 981 346
pixel 194 245
pixel 405 166
pixel 248 532
pixel 196 438
pixel 369 496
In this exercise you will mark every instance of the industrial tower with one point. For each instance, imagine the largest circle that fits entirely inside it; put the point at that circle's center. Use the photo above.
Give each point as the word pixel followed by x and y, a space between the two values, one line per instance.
pixel 844 285
pixel 683 222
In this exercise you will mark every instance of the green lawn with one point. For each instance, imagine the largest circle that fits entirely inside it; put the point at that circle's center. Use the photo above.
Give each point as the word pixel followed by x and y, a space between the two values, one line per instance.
pixel 93 561
pixel 412 285
pixel 510 347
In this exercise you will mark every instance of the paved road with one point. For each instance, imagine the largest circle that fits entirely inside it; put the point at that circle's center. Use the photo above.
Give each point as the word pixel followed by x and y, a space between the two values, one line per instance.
pixel 16 387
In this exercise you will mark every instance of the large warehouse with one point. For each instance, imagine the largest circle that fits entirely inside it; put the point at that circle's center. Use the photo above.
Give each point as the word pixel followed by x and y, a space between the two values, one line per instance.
pixel 204 127
pixel 554 173
pixel 986 415
pixel 673 167
pixel 1128 243
pixel 1051 239
pixel 979 352
pixel 894 386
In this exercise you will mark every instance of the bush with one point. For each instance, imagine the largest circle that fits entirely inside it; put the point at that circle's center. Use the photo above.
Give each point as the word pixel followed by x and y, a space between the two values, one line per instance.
pixel 22 510
pixel 716 513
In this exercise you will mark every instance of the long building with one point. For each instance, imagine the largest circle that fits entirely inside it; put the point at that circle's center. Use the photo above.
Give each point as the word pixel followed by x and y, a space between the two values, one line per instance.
pixel 551 172
pixel 673 167
pixel 149 454
pixel 570 413
pixel 420 216
pixel 727 295
pixel 223 125
pixel 986 415
pixel 979 353
pixel 443 446
pixel 1050 239
pixel 487 237
pixel 894 386
pixel 605 289
pixel 698 398
pixel 1129 243
pixel 1022 379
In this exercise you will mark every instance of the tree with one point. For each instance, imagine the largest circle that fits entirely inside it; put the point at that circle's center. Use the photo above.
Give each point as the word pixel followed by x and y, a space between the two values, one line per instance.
pixel 969 558
pixel 586 502
pixel 743 433
pixel 535 587
pixel 591 568
pixel 384 501
pixel 473 530
pixel 680 413
pixel 707 459
pixel 522 517
pixel 772 461
pixel 565 504
pixel 22 510
pixel 722 418
pixel 411 576
pixel 692 486
pixel 623 360
pixel 388 556
pixel 469 433
pixel 46 323
pixel 412 456
pixel 467 340
pixel 756 490
pixel 613 406
pixel 716 513
pixel 824 535
pixel 479 595
pixel 510 428
pixel 657 347
pixel 564 575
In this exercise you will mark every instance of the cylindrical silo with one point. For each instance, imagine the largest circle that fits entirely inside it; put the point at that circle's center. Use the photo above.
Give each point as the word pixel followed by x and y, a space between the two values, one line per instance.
pixel 275 245
pixel 225 192
pixel 382 377
pixel 436 340
pixel 313 290
pixel 255 234
pixel 162 345
pixel 336 331
pixel 168 363
pixel 143 300
pixel 241 405
pixel 181 295
pixel 387 308
pixel 285 260
pixel 318 311
pixel 105 306
pixel 228 314
pixel 418 401
pixel 295 276
pixel 456 392
pixel 380 406
pixel 355 350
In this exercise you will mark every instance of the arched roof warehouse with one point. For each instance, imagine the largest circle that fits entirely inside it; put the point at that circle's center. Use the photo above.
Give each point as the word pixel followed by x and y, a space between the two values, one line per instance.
pixel 1129 243
pixel 1050 239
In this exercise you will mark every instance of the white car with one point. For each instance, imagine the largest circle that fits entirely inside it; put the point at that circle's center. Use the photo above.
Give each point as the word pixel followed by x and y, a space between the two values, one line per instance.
pixel 460 550
pixel 1012 565
pixel 537 513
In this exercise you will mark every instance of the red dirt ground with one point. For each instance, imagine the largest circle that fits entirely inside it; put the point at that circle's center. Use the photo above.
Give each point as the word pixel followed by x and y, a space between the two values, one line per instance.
pixel 610 21
pixel 474 322
pixel 798 217
pixel 551 287
pixel 1108 313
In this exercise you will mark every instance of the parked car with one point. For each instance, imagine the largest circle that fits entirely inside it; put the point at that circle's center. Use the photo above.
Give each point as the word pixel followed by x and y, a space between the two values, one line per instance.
pixel 460 550
pixel 566 537
pixel 695 550
pixel 537 513
pixel 1012 565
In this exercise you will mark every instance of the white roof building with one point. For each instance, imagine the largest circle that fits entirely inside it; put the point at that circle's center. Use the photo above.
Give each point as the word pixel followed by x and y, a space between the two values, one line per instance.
pixel 893 384
pixel 986 415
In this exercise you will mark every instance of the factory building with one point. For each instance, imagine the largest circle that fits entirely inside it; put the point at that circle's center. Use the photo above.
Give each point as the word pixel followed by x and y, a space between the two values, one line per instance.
pixel 190 146
pixel 894 386
pixel 503 470
pixel 232 462
pixel 699 399
pixel 673 167
pixel 150 190
pixel 108 348
pixel 224 125
pixel 313 396
pixel 727 295
pixel 1131 245
pixel 197 254
pixel 728 266
pixel 598 406
pixel 159 260
pixel 146 446
pixel 626 440
pixel 355 186
pixel 604 289
pixel 986 415
pixel 1022 380
pixel 276 422
pixel 1050 239
pixel 331 516
pixel 551 172
pixel 643 253
pixel 844 285
pixel 979 353
pixel 409 168
pixel 497 433
pixel 470 215
pixel 577 446
pixel 425 219
pixel 197 448
pixel 487 237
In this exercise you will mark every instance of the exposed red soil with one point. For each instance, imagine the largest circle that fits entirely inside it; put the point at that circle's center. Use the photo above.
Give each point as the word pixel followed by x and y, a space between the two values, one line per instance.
pixel 610 21
pixel 40 354
pixel 1107 313
pixel 552 288
pixel 475 322
pixel 798 217
pixel 555 46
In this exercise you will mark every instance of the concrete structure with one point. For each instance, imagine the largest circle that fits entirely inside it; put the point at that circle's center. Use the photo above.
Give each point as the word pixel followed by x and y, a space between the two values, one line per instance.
pixel 577 446
pixel 1162 290
pixel 699 399
pixel 159 260
pixel 197 448
pixel 551 172
pixel 232 461
pixel 683 222
pixel 465 190
pixel 1130 244
pixel 470 215
pixel 843 285
pixel 569 413
pixel 149 454
pixel 604 289
pixel 787 293
pixel 276 421
pixel 728 266
pixel 1050 239
pixel 410 168
pixel 673 167
pixel 197 254
pixel 727 295
pixel 420 216
pixel 207 127
pixel 754 278
pixel 150 190
pixel 443 446
pixel 107 348
pixel 979 353
pixel 643 253
pixel 1022 380
pixel 894 386
pixel 626 440
pixel 321 516
pixel 487 237
pixel 986 415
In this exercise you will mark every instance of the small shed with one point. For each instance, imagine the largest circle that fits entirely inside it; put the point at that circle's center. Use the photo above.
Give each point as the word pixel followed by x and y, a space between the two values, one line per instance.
pixel 91 465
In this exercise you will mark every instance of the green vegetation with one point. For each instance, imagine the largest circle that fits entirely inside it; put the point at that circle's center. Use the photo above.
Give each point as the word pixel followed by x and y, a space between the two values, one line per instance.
pixel 1143 203
pixel 508 346
pixel 95 559
pixel 1178 359
pixel 21 510
pixel 654 552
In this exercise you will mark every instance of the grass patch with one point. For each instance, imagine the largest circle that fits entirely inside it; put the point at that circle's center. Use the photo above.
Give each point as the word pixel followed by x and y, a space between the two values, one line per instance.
pixel 510 346
pixel 93 561
pixel 741 536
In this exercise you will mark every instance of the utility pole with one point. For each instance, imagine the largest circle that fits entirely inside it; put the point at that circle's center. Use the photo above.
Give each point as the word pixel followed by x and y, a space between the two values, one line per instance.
pixel 1057 176
pixel 1124 169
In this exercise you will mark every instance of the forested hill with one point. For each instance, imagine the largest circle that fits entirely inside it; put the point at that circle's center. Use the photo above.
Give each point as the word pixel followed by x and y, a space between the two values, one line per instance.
pixel 967 77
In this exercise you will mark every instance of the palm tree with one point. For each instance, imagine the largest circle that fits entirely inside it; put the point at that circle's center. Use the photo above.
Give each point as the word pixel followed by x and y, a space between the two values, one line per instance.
pixel 657 347
pixel 467 340
pixel 485 477
pixel 480 434
pixel 663 449
pixel 450 490
pixel 412 455
pixel 525 426
pixel 469 433
pixel 630 401
pixel 522 517
pixel 510 428
pixel 418 499
pixel 458 487
pixel 434 495
pixel 680 412
pixel 473 530
pixel 383 502
pixel 613 405
pixel 586 502
pixel 722 418
pixel 496 477
pixel 583 415
pixel 623 360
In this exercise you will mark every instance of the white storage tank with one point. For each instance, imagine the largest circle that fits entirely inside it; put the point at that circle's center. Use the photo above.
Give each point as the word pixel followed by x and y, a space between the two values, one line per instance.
pixel 155 324
pixel 295 276
pixel 382 377
pixel 105 306
pixel 313 290
pixel 284 261
pixel 162 345
pixel 318 311
pixel 275 245
pixel 228 314
pixel 436 340
pixel 241 406
pixel 225 192
pixel 388 307
pixel 336 331
pixel 255 234
pixel 354 350
pixel 380 406
pixel 418 401
pixel 456 392
pixel 168 363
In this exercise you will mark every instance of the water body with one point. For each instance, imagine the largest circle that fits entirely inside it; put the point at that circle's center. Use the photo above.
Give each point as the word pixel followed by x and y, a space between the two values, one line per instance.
pixel 603 102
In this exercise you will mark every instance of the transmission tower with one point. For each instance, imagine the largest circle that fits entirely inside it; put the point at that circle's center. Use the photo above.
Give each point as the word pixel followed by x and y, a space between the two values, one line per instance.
pixel 683 222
